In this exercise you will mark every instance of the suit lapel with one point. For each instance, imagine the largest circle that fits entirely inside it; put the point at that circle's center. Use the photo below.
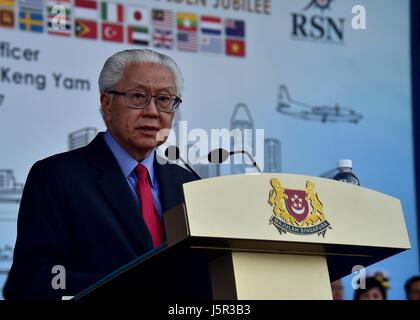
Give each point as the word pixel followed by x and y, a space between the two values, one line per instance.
pixel 170 188
pixel 114 187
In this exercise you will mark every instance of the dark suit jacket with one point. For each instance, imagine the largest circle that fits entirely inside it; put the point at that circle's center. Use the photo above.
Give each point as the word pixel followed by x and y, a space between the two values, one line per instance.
pixel 77 211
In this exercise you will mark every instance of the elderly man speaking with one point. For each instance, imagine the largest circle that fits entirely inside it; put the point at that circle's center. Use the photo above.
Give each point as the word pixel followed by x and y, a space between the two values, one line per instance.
pixel 94 209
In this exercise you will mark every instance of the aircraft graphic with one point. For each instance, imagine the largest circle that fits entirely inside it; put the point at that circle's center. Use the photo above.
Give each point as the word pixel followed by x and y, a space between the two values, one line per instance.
pixel 305 111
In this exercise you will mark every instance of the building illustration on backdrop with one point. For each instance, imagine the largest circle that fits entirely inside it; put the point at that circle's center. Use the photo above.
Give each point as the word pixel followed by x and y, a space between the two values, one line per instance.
pixel 10 190
pixel 201 164
pixel 6 258
pixel 323 113
pixel 176 129
pixel 81 138
pixel 272 160
pixel 10 197
pixel 243 137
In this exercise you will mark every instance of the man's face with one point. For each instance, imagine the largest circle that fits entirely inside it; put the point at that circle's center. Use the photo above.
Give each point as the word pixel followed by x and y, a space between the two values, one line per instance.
pixel 414 293
pixel 136 129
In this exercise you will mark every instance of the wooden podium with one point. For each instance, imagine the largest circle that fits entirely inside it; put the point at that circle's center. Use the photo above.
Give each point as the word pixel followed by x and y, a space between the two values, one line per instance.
pixel 263 236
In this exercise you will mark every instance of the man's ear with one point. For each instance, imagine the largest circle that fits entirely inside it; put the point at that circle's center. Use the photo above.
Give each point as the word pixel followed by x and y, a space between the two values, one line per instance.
pixel 106 106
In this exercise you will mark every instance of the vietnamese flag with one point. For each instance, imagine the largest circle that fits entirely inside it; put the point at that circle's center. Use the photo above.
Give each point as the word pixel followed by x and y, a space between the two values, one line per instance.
pixel 112 32
pixel 235 47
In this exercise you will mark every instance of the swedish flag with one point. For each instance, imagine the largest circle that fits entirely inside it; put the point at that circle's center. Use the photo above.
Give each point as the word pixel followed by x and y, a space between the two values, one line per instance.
pixel 31 21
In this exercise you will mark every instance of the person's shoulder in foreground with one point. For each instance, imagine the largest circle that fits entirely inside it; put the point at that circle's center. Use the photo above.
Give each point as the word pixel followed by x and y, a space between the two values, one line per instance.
pixel 86 212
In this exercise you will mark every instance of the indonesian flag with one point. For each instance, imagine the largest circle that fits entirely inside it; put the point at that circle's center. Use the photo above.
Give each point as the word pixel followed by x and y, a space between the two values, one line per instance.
pixel 85 9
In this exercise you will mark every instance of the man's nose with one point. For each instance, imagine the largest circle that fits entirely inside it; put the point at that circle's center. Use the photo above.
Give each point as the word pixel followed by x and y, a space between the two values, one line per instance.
pixel 151 109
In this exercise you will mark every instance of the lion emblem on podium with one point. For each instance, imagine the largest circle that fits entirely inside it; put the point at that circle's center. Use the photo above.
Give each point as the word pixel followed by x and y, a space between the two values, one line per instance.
pixel 297 211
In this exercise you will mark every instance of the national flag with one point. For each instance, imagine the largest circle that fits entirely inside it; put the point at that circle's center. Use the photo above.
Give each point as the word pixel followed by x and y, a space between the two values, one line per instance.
pixel 7 18
pixel 58 17
pixel 162 39
pixel 137 16
pixel 112 32
pixel 31 5
pixel 31 21
pixel 235 28
pixel 211 44
pixel 187 41
pixel 235 47
pixel 7 3
pixel 112 12
pixel 55 7
pixel 31 16
pixel 138 35
pixel 162 19
pixel 7 13
pixel 211 25
pixel 86 9
pixel 86 29
pixel 186 22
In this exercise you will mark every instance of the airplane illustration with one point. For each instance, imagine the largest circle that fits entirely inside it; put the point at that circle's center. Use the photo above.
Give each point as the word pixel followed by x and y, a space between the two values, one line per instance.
pixel 304 111
pixel 10 190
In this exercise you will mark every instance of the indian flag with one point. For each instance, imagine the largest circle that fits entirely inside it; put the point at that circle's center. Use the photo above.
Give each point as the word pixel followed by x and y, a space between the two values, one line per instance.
pixel 138 35
pixel 112 12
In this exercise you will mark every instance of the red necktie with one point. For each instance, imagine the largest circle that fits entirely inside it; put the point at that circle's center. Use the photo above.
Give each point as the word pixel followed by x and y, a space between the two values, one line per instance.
pixel 148 210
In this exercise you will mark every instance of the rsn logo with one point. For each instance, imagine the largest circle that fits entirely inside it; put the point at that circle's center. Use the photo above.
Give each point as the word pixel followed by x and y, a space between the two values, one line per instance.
pixel 318 27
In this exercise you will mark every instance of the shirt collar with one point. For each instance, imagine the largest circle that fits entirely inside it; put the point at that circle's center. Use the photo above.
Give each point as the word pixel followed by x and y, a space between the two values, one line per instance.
pixel 126 162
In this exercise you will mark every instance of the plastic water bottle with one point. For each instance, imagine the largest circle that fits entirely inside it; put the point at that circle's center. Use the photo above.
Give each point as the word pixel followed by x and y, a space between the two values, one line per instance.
pixel 345 174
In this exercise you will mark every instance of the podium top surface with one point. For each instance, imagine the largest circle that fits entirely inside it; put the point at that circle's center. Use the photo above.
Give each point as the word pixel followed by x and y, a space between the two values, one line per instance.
pixel 293 208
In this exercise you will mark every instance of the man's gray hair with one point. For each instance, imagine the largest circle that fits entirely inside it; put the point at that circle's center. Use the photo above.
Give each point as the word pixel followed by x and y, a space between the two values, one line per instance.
pixel 113 68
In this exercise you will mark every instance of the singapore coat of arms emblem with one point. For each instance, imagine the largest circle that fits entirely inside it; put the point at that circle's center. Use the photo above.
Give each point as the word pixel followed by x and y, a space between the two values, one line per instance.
pixel 299 212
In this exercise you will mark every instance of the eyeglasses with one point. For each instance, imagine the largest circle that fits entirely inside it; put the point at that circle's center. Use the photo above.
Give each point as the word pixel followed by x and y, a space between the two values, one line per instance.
pixel 139 100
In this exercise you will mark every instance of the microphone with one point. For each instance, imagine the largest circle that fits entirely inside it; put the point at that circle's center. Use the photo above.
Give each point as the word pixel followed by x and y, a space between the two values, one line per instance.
pixel 221 155
pixel 172 153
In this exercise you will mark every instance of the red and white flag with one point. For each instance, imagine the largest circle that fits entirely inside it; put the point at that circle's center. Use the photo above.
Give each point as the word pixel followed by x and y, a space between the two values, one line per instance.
pixel 137 16
pixel 86 9
pixel 112 32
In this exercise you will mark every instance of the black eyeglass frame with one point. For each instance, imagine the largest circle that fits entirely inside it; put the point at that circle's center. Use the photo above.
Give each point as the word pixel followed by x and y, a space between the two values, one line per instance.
pixel 175 104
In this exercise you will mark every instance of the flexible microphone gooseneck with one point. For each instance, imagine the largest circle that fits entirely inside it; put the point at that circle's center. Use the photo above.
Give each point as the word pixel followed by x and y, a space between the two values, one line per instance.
pixel 172 153
pixel 221 155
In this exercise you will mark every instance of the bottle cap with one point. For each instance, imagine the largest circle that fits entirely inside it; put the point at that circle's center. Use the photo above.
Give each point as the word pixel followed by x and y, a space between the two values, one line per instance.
pixel 344 163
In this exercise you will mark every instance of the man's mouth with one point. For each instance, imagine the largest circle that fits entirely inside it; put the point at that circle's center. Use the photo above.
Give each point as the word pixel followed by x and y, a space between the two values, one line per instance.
pixel 151 130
